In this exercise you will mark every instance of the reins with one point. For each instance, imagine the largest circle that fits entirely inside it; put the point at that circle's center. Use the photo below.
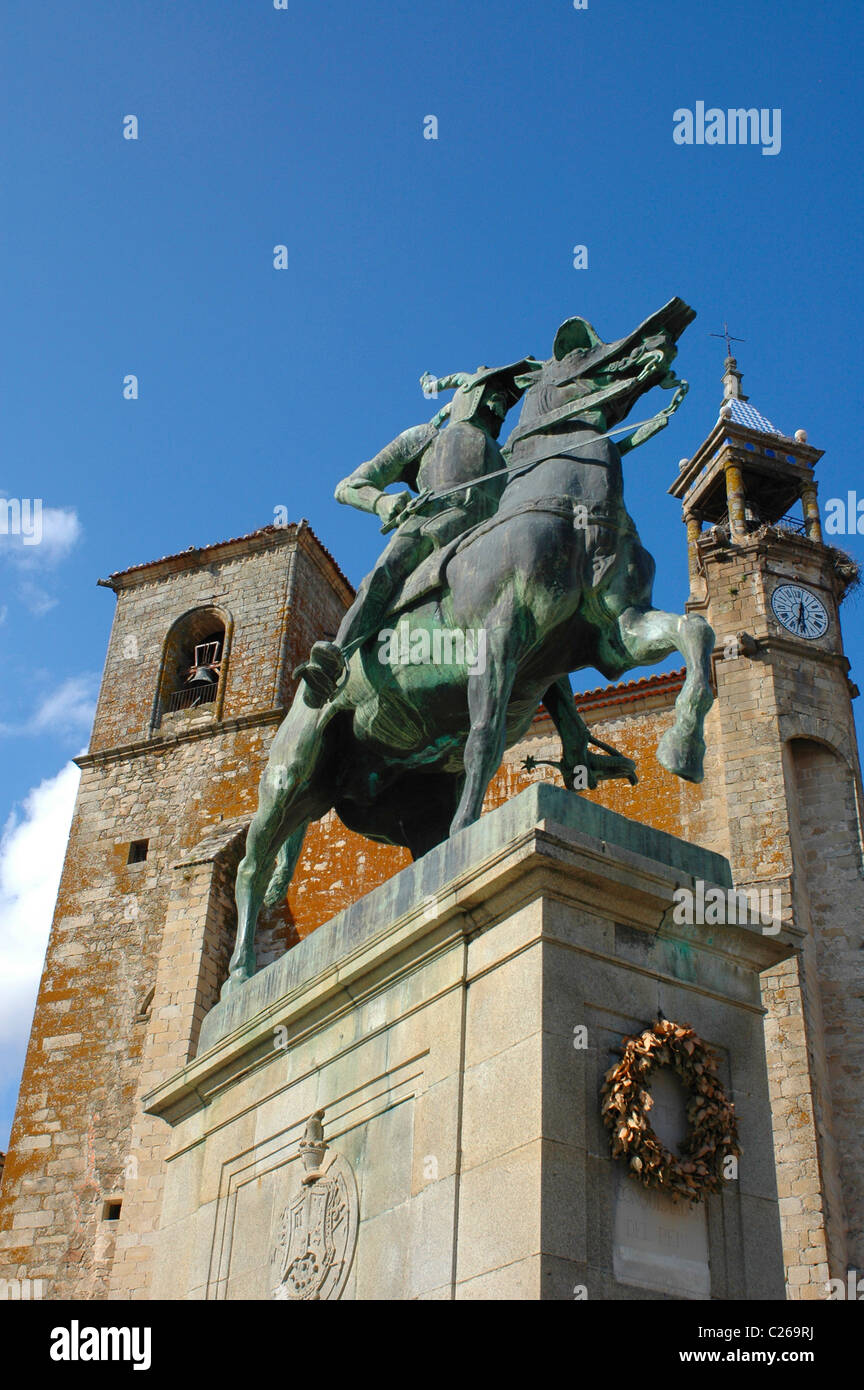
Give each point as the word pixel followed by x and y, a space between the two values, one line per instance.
pixel 516 469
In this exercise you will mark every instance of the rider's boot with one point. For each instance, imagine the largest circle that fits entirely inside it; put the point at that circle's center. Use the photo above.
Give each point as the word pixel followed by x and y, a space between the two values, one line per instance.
pixel 321 673
pixel 327 661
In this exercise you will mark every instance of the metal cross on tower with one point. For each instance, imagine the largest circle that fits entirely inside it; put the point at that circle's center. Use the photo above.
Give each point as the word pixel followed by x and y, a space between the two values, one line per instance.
pixel 729 339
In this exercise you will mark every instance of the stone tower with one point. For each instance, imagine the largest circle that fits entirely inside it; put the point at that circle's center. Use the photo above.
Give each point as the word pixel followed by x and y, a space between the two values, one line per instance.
pixel 196 680
pixel 785 756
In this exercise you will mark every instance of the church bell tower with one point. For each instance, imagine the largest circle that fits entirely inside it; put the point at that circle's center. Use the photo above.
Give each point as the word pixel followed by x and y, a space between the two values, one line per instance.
pixel 764 578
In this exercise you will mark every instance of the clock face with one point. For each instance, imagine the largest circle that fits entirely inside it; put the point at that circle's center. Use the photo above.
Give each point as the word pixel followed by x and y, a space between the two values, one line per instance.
pixel 800 612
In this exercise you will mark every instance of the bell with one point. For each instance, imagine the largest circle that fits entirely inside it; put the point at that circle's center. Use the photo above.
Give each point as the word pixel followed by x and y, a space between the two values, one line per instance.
pixel 202 675
pixel 204 669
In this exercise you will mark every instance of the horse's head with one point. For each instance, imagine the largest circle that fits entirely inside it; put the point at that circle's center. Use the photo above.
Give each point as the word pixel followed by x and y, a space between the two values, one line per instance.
pixel 582 346
pixel 625 368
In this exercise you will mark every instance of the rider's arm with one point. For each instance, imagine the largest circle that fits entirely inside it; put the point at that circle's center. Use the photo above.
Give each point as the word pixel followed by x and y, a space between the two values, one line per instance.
pixel 364 488
pixel 433 384
pixel 453 381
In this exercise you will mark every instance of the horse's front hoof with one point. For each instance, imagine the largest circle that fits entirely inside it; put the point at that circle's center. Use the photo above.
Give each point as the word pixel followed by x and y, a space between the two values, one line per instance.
pixel 237 977
pixel 460 823
pixel 685 757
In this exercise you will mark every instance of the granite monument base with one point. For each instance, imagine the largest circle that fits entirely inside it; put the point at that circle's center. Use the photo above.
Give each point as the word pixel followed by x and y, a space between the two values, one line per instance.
pixel 454 1027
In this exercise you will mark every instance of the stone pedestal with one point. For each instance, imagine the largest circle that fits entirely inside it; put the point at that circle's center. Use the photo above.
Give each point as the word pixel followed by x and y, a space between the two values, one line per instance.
pixel 454 1027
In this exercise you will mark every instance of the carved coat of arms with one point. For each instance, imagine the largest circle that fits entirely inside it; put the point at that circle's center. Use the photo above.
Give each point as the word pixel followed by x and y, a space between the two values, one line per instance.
pixel 318 1228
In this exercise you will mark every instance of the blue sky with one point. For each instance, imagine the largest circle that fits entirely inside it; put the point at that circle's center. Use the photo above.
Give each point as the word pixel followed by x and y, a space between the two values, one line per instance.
pixel 261 388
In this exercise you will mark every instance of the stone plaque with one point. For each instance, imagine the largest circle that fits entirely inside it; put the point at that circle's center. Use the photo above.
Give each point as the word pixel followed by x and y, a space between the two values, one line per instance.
pixel 660 1244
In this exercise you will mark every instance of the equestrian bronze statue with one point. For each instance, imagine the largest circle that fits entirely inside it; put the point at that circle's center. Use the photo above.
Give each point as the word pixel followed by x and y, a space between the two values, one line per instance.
pixel 507 569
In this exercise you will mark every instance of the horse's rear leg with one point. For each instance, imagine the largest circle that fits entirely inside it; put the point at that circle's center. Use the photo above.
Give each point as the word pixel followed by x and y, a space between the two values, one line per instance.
pixel 571 728
pixel 273 826
pixel 488 697
pixel 575 737
pixel 286 863
pixel 290 794
pixel 651 635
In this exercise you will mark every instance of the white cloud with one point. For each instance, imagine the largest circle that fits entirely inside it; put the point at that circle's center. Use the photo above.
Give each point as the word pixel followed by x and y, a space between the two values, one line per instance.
pixel 36 599
pixel 61 531
pixel 67 710
pixel 44 537
pixel 35 539
pixel 32 848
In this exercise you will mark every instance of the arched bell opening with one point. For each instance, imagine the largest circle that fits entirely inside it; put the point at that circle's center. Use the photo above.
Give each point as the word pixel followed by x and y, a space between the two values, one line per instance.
pixel 194 665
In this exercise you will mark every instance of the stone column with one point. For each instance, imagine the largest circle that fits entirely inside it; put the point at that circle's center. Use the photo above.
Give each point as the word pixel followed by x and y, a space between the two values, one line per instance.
pixel 735 500
pixel 810 506
pixel 693 522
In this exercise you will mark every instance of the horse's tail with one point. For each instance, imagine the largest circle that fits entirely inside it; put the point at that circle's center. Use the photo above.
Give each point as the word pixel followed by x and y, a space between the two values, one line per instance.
pixel 283 872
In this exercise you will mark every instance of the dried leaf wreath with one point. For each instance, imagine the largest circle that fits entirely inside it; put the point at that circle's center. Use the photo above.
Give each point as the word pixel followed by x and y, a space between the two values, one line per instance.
pixel 712 1134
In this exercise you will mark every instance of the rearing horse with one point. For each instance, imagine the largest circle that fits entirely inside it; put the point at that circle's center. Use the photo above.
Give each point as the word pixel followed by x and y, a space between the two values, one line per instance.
pixel 557 580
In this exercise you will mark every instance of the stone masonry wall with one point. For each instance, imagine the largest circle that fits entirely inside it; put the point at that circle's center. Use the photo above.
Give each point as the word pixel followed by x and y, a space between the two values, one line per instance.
pixel 831 863
pixel 197 942
pixel 70 1144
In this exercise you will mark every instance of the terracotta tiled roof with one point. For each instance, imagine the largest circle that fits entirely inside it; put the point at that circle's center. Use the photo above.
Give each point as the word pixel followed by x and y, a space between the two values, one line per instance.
pixel 625 692
pixel 291 528
pixel 631 690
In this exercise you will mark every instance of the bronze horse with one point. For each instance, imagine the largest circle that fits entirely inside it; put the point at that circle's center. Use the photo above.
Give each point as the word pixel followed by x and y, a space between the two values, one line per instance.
pixel 557 580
